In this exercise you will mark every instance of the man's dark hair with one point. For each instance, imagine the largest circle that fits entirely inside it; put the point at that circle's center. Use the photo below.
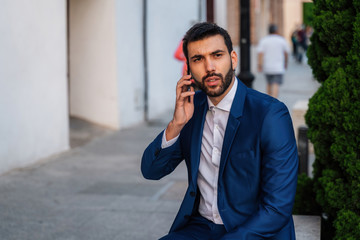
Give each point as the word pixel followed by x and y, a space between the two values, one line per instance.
pixel 272 28
pixel 203 30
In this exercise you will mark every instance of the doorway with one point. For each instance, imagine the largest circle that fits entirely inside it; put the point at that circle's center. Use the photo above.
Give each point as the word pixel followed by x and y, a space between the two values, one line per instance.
pixel 92 89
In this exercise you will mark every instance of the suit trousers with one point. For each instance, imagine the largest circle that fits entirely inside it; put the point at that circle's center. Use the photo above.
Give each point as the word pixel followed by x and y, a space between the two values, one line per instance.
pixel 198 228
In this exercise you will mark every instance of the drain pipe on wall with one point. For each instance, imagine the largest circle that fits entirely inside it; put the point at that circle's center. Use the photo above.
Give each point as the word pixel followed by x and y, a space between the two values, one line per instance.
pixel 146 78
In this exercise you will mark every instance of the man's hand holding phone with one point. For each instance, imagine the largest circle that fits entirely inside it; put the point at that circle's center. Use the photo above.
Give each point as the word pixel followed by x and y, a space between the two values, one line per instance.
pixel 184 107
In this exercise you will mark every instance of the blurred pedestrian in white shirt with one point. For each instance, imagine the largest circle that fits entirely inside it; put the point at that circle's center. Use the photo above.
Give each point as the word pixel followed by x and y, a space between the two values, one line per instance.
pixel 273 52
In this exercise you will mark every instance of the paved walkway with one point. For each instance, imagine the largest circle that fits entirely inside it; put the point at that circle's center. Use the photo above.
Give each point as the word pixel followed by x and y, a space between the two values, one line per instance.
pixel 96 191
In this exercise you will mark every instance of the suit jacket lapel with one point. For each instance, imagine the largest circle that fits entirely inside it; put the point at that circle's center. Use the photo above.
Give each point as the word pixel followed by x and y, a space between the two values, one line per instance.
pixel 196 138
pixel 233 124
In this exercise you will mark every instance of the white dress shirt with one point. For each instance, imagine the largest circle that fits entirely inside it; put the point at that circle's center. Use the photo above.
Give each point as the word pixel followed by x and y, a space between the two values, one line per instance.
pixel 211 147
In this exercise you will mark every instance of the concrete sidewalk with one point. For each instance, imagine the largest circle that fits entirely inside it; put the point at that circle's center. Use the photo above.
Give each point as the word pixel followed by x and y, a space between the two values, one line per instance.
pixel 96 191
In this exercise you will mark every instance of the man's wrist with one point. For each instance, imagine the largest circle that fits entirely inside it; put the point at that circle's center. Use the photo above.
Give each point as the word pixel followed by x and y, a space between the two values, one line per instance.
pixel 167 143
pixel 173 129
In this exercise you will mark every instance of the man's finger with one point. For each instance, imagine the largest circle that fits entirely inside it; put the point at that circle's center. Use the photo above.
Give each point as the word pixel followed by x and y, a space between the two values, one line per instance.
pixel 187 94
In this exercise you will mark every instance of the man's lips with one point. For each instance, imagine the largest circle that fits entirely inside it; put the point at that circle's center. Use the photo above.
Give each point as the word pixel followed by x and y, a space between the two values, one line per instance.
pixel 212 81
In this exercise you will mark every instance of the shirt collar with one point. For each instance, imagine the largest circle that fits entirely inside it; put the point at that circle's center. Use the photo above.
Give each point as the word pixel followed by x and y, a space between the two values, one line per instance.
pixel 226 102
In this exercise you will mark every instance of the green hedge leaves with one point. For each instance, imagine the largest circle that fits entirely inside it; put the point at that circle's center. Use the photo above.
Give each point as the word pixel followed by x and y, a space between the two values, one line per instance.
pixel 333 119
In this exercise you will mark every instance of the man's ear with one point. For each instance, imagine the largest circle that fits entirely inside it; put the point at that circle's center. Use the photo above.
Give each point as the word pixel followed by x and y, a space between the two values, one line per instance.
pixel 234 59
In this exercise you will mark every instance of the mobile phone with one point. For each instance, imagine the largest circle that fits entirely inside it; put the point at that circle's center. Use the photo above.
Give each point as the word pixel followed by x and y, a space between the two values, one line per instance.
pixel 192 82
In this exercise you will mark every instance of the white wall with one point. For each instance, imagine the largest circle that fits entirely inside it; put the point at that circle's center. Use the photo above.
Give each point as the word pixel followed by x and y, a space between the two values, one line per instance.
pixel 130 64
pixel 33 92
pixel 93 86
pixel 168 20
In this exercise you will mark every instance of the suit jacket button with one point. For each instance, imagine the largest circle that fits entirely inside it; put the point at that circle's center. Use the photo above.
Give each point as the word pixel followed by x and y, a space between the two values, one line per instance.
pixel 192 194
pixel 187 217
pixel 157 151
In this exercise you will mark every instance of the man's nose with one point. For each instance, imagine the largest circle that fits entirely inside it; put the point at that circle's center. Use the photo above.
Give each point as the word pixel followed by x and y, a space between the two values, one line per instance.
pixel 209 65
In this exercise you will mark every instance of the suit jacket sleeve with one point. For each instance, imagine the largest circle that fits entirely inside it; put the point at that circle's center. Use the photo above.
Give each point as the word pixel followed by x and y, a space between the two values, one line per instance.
pixel 157 162
pixel 279 166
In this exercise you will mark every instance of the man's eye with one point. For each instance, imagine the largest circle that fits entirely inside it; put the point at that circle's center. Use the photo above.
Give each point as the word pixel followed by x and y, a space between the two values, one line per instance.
pixel 218 55
pixel 196 59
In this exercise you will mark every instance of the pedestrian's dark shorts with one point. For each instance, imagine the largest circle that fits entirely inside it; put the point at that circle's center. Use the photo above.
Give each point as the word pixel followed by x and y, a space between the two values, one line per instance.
pixel 274 78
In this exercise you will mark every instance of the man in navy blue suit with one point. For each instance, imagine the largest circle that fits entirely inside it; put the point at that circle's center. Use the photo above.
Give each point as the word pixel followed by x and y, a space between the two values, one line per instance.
pixel 238 146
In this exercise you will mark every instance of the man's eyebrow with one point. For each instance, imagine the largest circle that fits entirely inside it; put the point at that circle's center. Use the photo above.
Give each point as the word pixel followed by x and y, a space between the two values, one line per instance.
pixel 217 51
pixel 196 56
pixel 214 52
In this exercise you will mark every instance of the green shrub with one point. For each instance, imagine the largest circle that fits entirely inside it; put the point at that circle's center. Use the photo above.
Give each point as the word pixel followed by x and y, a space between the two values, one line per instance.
pixel 333 118
pixel 305 202
pixel 308 13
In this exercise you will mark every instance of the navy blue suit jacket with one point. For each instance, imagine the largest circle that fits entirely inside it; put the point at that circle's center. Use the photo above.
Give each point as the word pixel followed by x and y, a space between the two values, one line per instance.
pixel 258 166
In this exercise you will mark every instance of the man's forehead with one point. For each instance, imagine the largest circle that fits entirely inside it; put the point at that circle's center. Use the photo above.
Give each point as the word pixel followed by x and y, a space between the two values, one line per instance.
pixel 207 44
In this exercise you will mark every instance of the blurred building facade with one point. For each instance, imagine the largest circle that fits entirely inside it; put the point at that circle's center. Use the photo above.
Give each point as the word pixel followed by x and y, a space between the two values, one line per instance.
pixel 109 62
pixel 286 14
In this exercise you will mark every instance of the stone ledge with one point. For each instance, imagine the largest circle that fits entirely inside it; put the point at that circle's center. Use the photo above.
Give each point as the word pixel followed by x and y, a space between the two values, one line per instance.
pixel 307 227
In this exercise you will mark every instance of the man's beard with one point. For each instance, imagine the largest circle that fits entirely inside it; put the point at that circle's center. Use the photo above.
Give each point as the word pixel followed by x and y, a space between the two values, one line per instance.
pixel 225 83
